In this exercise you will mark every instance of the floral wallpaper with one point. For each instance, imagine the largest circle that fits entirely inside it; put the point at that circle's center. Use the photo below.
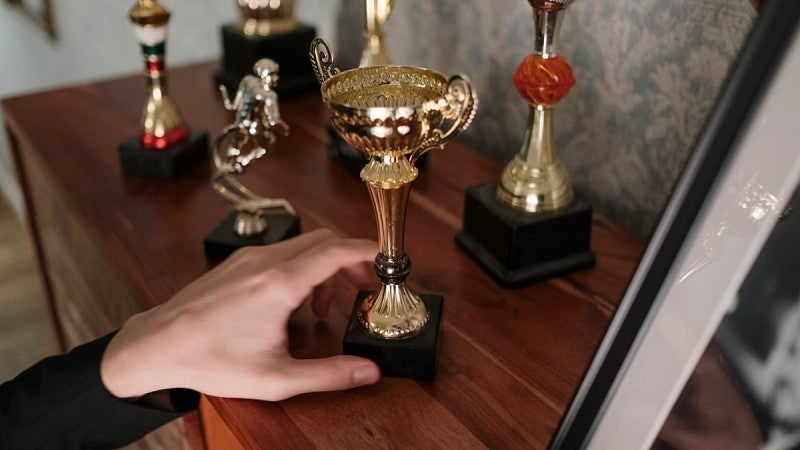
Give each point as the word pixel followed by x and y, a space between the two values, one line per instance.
pixel 647 73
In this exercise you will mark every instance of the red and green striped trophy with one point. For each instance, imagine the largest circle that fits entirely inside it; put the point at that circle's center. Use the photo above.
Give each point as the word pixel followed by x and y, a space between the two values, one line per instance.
pixel 165 146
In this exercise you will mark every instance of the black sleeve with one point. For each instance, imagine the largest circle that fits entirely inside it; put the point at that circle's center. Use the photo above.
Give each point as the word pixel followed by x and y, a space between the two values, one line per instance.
pixel 61 402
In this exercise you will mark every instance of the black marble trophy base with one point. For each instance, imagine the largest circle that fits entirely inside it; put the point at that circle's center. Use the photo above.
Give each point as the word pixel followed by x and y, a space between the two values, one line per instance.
pixel 412 357
pixel 352 159
pixel 167 163
pixel 289 50
pixel 223 240
pixel 516 247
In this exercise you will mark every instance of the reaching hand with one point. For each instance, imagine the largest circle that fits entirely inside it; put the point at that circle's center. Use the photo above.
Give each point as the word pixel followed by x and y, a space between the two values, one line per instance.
pixel 225 334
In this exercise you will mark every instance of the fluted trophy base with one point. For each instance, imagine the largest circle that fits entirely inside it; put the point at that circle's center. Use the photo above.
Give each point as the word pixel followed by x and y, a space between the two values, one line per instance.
pixel 223 240
pixel 289 50
pixel 411 357
pixel 169 163
pixel 517 247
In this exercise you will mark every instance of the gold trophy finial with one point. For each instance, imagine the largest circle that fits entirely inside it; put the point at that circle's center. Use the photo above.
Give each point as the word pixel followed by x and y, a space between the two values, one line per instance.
pixel 376 13
pixel 535 180
pixel 148 13
pixel 393 114
pixel 266 17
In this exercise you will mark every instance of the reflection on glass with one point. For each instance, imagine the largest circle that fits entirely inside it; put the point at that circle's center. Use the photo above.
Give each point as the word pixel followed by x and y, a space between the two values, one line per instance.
pixel 745 391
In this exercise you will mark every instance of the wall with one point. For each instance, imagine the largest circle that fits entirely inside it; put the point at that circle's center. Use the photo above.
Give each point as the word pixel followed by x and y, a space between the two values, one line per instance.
pixel 95 41
pixel 648 72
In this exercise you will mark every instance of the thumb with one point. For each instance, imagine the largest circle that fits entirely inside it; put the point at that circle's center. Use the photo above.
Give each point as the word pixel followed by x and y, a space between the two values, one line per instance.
pixel 328 374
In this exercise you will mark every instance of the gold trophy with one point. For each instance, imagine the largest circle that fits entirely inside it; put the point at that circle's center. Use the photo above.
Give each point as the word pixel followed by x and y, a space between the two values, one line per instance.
pixel 166 145
pixel 374 53
pixel 267 29
pixel 376 13
pixel 529 226
pixel 265 17
pixel 249 138
pixel 393 114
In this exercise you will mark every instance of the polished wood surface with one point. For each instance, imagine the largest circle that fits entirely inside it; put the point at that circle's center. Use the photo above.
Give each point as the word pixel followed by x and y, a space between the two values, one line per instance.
pixel 111 245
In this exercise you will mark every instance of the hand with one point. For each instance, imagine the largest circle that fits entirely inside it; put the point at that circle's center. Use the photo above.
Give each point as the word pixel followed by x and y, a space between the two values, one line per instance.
pixel 225 334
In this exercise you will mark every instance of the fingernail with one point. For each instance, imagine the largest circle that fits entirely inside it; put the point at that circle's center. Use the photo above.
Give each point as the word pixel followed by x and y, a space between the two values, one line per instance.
pixel 365 375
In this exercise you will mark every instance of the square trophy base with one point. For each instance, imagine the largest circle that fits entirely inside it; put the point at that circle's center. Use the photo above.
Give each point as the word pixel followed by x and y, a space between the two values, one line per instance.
pixel 412 357
pixel 223 240
pixel 167 163
pixel 290 50
pixel 517 247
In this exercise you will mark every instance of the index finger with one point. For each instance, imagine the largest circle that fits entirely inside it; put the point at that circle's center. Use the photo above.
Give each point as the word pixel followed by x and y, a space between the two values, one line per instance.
pixel 321 261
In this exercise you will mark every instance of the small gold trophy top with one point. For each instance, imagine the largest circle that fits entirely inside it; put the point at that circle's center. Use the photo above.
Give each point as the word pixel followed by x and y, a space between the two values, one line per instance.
pixel 148 13
pixel 376 13
pixel 266 17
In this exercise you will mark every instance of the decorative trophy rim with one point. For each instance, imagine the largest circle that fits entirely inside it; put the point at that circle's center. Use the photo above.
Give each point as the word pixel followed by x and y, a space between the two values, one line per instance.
pixel 430 87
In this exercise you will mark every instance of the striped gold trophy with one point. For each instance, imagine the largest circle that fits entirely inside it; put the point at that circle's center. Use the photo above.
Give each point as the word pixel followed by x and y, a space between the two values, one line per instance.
pixel 165 146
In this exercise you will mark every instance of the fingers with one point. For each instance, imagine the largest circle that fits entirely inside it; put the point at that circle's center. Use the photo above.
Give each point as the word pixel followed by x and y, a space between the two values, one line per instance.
pixel 291 247
pixel 321 300
pixel 249 261
pixel 321 375
pixel 361 276
pixel 314 266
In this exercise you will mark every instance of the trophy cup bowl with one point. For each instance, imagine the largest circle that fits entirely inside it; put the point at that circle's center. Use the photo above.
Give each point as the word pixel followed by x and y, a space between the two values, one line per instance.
pixel 393 114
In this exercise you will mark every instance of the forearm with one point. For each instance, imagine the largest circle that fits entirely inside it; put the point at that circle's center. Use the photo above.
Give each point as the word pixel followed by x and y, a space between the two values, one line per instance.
pixel 61 402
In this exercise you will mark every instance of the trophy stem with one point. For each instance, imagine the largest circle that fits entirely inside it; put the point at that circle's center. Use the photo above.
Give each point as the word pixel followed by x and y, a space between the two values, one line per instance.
pixel 162 123
pixel 249 223
pixel 547 24
pixel 374 54
pixel 535 180
pixel 390 213
pixel 537 144
pixel 394 311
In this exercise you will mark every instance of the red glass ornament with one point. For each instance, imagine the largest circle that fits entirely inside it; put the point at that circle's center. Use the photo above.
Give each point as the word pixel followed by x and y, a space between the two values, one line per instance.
pixel 543 81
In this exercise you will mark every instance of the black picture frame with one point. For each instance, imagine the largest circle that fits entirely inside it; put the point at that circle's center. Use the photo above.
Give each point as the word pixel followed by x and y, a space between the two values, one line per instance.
pixel 771 45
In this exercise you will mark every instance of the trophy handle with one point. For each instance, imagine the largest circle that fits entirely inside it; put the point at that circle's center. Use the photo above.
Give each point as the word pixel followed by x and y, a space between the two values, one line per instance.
pixel 460 106
pixel 322 60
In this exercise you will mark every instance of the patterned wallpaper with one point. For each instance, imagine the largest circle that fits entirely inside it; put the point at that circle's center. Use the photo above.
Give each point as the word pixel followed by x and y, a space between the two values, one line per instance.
pixel 647 75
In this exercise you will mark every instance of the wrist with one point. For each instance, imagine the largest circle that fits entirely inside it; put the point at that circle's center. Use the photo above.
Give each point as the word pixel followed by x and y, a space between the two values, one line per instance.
pixel 130 368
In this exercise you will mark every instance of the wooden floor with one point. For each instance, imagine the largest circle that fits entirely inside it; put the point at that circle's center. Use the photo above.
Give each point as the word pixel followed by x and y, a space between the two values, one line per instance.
pixel 26 334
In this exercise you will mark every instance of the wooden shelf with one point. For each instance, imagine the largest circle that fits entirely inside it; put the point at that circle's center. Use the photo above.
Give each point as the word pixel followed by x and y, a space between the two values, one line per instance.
pixel 110 245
